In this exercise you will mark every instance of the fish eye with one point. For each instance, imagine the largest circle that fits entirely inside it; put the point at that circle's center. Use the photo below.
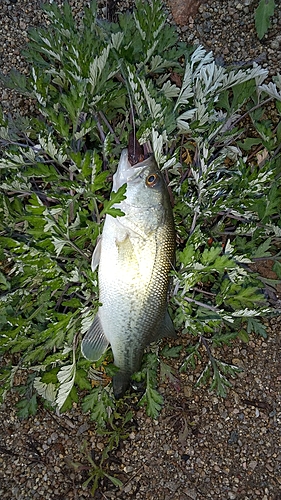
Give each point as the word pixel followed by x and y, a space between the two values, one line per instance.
pixel 151 180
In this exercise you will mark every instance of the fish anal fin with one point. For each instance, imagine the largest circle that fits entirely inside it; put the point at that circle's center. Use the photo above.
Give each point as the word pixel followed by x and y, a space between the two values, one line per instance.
pixel 95 342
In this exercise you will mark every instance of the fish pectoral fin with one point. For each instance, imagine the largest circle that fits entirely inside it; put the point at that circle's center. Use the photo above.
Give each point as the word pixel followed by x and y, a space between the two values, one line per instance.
pixel 95 342
pixel 96 254
pixel 166 329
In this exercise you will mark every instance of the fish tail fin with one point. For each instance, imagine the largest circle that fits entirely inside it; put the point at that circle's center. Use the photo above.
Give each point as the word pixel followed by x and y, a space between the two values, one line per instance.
pixel 95 342
pixel 121 382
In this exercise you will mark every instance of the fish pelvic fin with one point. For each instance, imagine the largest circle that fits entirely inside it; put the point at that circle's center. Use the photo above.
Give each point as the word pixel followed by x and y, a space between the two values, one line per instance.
pixel 166 328
pixel 95 342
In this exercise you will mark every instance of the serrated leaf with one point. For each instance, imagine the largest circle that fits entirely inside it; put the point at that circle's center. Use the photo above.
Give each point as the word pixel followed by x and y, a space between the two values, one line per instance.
pixel 271 90
pixel 115 198
pixel 4 283
pixel 263 13
pixel 16 80
pixel 100 405
pixel 47 391
pixel 167 372
pixel 204 375
pixel 81 380
pixel 248 143
pixel 58 244
pixel 277 268
pixel 171 352
pixel 27 407
pixel 153 402
pixel 97 66
pixel 192 358
pixel 262 250
pixel 66 378
pixel 255 325
pixel 99 181
pixel 219 382
pixel 244 336
pixel 71 398
pixel 227 368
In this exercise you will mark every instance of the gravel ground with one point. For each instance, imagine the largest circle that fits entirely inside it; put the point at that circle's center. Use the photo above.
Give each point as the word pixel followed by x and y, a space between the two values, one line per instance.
pixel 202 447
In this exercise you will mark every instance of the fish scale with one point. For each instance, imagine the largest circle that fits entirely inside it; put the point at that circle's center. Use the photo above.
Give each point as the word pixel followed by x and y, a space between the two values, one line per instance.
pixel 135 256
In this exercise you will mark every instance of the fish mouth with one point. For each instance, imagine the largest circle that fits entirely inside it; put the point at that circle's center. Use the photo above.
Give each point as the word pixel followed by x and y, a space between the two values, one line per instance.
pixel 126 172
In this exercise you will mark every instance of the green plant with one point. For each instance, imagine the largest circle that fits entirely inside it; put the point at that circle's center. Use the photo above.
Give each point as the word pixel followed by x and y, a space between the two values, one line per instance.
pixel 263 13
pixel 97 468
pixel 90 83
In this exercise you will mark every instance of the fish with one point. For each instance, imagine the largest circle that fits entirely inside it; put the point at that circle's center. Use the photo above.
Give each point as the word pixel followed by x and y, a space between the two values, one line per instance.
pixel 135 255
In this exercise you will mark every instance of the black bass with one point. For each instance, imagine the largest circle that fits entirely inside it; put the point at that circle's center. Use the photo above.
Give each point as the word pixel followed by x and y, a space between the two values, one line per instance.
pixel 135 255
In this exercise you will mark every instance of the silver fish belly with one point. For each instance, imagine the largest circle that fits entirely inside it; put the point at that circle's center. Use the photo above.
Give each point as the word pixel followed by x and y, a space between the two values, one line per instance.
pixel 135 255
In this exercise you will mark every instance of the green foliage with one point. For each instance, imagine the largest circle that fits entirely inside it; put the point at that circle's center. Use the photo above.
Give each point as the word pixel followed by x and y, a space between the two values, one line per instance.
pixel 215 370
pixel 151 399
pixel 100 403
pixel 55 169
pixel 27 407
pixel 96 471
pixel 263 13
pixel 114 426
pixel 115 198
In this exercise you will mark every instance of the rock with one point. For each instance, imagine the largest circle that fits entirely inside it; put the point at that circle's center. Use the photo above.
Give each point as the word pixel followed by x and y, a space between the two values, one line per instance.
pixel 182 10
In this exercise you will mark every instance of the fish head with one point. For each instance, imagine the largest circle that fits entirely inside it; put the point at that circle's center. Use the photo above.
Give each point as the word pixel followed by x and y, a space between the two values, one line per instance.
pixel 145 185
pixel 123 172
